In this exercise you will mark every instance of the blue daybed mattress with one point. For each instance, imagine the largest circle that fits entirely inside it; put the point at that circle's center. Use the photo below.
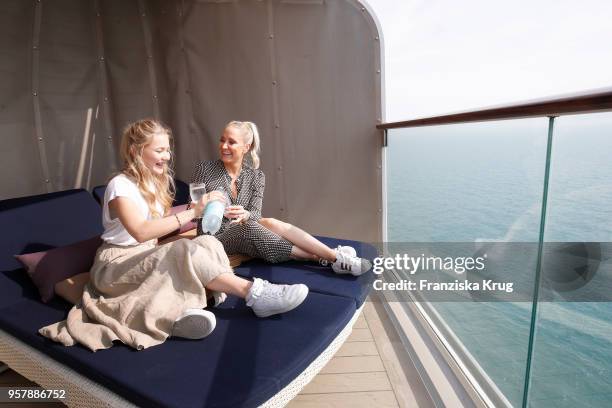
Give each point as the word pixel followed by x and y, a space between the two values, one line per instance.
pixel 243 363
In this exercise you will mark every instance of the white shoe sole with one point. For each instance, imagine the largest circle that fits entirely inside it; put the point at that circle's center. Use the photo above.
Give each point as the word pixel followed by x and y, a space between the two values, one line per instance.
pixel 302 293
pixel 363 269
pixel 367 267
pixel 194 324
pixel 359 273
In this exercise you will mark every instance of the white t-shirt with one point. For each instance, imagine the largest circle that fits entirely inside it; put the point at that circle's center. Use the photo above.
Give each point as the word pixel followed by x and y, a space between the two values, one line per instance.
pixel 114 231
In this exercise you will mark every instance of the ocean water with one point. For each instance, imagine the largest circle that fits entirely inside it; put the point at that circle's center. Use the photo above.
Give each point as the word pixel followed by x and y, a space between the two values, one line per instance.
pixel 484 181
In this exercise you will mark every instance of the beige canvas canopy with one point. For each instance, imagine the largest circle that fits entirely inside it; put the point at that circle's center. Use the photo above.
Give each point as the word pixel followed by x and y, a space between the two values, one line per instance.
pixel 308 72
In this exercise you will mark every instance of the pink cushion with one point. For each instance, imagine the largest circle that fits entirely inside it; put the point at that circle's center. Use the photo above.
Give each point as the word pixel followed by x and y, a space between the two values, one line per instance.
pixel 46 268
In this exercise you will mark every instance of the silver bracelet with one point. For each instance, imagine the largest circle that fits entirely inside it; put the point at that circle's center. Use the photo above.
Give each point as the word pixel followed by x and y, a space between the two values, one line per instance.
pixel 179 221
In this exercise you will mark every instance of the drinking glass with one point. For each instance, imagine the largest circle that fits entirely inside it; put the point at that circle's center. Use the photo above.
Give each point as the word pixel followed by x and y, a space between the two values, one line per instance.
pixel 197 191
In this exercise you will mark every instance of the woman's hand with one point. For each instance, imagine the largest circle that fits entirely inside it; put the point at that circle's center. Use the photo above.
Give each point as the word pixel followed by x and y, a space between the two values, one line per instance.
pixel 238 213
pixel 199 206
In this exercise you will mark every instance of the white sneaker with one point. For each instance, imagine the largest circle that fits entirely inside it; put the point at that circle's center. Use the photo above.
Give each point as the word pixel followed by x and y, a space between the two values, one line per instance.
pixel 194 324
pixel 218 298
pixel 346 250
pixel 350 264
pixel 267 299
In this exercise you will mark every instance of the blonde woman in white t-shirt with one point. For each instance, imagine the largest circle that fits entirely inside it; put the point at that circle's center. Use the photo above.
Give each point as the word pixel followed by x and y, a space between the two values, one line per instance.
pixel 141 292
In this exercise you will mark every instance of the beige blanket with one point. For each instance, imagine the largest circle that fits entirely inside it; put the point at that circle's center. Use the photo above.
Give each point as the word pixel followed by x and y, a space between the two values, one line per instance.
pixel 136 293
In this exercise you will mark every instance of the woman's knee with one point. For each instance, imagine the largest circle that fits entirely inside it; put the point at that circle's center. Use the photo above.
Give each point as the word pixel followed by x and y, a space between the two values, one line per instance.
pixel 208 241
pixel 180 245
pixel 184 245
pixel 275 225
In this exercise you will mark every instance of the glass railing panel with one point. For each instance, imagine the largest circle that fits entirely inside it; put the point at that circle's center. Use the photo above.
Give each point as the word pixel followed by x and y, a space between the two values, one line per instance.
pixel 571 362
pixel 467 183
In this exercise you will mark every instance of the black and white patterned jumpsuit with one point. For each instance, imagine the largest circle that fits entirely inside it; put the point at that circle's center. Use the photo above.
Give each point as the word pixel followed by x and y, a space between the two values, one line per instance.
pixel 249 238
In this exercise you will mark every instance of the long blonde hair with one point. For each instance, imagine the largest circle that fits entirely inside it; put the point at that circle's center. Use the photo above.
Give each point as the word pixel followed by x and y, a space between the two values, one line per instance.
pixel 251 134
pixel 136 136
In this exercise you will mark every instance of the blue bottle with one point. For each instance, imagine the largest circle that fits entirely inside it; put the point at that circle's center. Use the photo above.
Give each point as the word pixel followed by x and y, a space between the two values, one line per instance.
pixel 213 216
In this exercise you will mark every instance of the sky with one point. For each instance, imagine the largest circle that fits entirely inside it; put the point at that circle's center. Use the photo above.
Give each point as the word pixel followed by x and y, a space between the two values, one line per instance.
pixel 446 56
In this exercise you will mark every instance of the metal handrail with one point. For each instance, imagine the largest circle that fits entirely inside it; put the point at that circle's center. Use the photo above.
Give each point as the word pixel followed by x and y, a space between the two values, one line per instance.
pixel 584 102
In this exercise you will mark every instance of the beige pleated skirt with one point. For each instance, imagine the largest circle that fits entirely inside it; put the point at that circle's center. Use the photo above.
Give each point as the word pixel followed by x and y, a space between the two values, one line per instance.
pixel 136 293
